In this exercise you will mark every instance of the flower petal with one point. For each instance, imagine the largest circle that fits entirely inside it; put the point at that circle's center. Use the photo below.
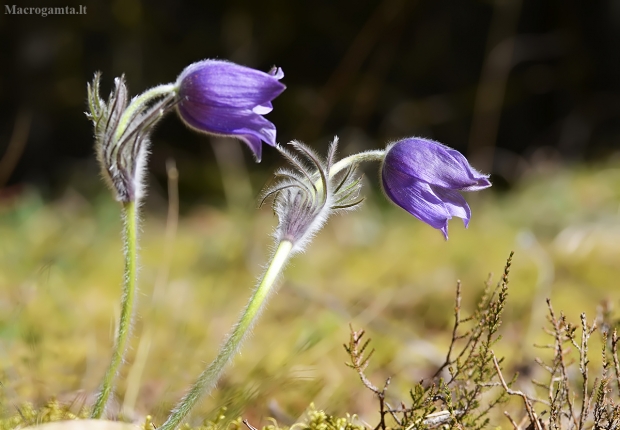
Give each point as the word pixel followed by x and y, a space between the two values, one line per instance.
pixel 432 205
pixel 455 204
pixel 263 109
pixel 223 98
pixel 276 72
pixel 220 83
pixel 436 164
pixel 243 124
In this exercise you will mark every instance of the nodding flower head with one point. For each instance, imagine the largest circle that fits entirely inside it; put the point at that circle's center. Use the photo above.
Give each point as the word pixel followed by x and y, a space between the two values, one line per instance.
pixel 223 98
pixel 424 177
pixel 122 130
pixel 307 195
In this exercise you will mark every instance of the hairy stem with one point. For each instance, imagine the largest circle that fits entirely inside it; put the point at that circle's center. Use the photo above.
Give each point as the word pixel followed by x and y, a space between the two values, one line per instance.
pixel 130 212
pixel 138 102
pixel 352 160
pixel 375 155
pixel 210 376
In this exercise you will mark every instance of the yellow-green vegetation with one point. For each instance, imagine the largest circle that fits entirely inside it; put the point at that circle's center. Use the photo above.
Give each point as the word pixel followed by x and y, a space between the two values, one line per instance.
pixel 55 412
pixel 27 415
pixel 378 268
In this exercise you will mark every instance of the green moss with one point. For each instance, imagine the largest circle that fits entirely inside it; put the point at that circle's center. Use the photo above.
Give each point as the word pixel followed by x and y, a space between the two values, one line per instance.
pixel 27 415
pixel 53 411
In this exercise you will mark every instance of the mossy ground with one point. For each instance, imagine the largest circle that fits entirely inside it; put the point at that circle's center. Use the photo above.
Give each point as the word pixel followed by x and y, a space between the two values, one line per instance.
pixel 377 268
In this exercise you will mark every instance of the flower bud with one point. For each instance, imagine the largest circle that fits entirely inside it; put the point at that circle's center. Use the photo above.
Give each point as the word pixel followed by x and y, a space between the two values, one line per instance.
pixel 424 177
pixel 122 131
pixel 222 98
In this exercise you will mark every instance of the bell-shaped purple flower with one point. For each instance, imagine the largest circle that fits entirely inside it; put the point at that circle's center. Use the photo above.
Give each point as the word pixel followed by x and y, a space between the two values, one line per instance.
pixel 424 177
pixel 223 98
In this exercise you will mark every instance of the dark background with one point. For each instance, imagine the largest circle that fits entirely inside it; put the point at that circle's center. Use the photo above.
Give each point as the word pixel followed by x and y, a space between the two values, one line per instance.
pixel 507 82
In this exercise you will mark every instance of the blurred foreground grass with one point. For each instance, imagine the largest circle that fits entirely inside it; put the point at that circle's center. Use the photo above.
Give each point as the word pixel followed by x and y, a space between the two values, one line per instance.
pixel 377 268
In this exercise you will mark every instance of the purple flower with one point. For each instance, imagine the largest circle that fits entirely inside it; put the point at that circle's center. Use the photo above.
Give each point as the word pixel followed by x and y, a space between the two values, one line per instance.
pixel 424 177
pixel 222 98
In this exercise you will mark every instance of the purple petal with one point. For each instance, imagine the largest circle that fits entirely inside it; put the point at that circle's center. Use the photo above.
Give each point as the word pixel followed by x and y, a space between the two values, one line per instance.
pixel 226 99
pixel 436 164
pixel 263 109
pixel 455 204
pixel 432 205
pixel 220 83
pixel 276 72
pixel 243 124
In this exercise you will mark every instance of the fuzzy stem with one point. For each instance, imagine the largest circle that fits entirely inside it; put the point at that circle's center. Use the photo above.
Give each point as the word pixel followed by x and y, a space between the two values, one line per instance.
pixel 130 212
pixel 375 155
pixel 137 103
pixel 210 376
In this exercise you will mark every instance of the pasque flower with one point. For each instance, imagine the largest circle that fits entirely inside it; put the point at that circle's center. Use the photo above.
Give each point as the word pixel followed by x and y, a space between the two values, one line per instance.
pixel 424 177
pixel 304 197
pixel 211 96
pixel 122 130
pixel 223 98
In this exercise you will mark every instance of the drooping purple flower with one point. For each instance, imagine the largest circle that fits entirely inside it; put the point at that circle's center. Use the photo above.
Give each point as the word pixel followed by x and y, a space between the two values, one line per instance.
pixel 424 177
pixel 223 98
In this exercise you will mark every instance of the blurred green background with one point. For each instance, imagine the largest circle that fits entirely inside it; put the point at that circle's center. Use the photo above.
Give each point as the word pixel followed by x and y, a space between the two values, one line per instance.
pixel 528 90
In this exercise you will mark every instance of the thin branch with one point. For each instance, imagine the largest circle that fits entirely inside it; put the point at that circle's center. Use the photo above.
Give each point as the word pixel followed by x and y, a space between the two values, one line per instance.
pixel 583 367
pixel 455 337
pixel 514 424
pixel 560 328
pixel 526 401
pixel 248 425
pixel 614 353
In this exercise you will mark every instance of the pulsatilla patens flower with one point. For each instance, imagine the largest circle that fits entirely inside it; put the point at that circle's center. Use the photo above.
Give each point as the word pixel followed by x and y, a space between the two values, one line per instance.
pixel 424 178
pixel 222 98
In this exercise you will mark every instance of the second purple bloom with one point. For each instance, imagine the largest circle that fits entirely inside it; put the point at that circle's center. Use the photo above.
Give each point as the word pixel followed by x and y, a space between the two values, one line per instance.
pixel 424 177
pixel 223 98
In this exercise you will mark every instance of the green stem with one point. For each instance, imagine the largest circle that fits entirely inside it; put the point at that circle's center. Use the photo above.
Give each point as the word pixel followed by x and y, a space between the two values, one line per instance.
pixel 210 376
pixel 130 212
pixel 137 103
pixel 374 155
